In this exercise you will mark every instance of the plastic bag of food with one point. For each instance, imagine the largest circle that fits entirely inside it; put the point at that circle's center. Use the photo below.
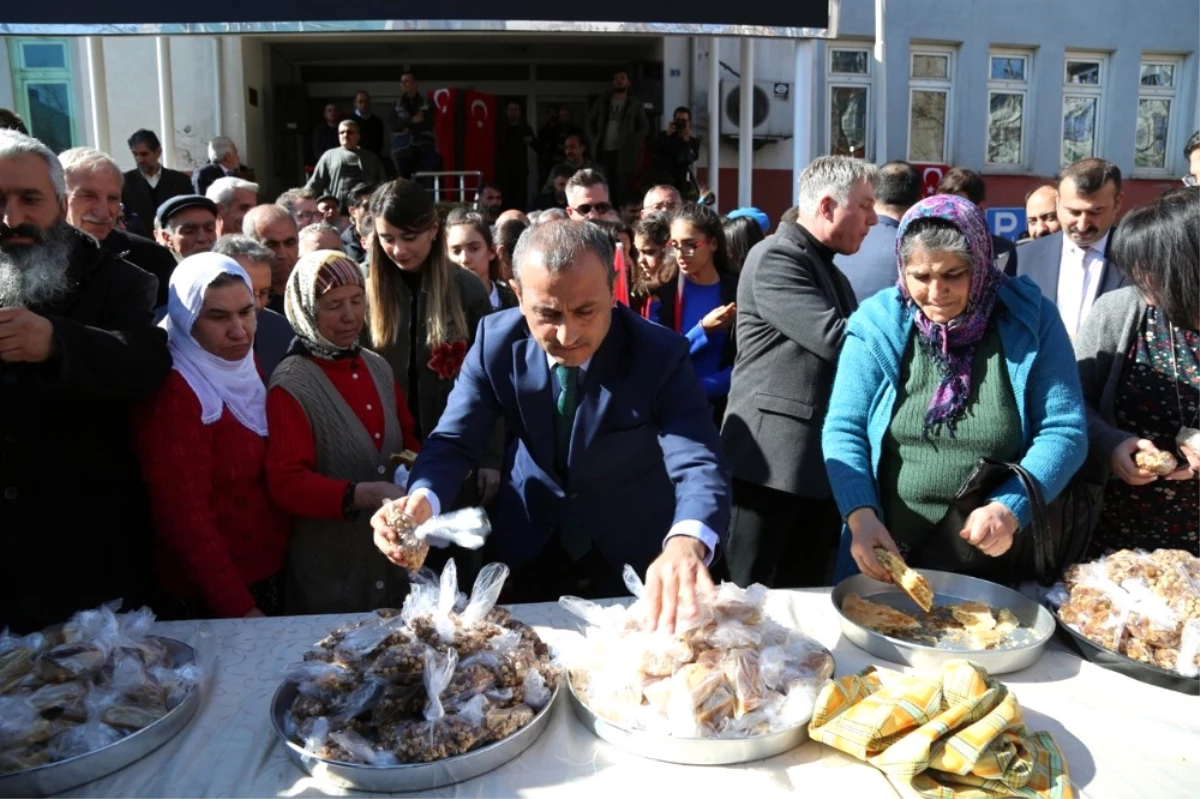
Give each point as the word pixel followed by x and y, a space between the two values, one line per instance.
pixel 18 657
pixel 72 661
pixel 132 680
pixel 535 693
pixel 359 749
pixel 317 736
pixel 484 594
pixel 361 641
pixel 18 716
pixel 1187 662
pixel 361 700
pixel 468 528
pixel 743 604
pixel 92 734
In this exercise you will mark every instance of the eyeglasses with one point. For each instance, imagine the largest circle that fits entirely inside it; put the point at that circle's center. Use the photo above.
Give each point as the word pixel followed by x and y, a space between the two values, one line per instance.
pixel 587 208
pixel 1191 180
pixel 666 205
pixel 686 247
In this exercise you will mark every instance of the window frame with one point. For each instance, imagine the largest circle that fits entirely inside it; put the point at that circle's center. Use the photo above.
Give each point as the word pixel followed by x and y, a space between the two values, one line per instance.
pixel 850 80
pixel 1024 88
pixel 23 77
pixel 1172 94
pixel 1084 90
pixel 943 85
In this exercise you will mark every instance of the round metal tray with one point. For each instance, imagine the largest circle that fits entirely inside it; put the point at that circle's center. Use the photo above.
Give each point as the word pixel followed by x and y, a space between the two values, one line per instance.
pixel 947 587
pixel 406 776
pixel 689 751
pixel 1115 661
pixel 64 775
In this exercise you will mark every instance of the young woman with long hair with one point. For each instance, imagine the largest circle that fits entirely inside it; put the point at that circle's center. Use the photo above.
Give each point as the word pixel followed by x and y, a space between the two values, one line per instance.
pixel 701 302
pixel 469 244
pixel 423 312
pixel 741 234
pixel 655 265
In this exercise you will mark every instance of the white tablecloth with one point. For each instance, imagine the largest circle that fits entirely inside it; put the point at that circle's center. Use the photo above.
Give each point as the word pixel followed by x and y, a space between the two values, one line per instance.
pixel 1122 739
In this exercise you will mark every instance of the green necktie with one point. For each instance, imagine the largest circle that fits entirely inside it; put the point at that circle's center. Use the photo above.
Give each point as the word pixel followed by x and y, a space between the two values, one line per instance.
pixel 575 540
pixel 564 414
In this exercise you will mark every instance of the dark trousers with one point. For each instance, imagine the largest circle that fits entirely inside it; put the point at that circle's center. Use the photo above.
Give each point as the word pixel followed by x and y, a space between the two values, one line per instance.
pixel 779 539
pixel 553 574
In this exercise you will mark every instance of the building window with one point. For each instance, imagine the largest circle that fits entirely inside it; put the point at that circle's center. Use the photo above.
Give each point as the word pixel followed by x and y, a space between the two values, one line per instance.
pixel 1084 77
pixel 1156 105
pixel 41 70
pixel 1008 103
pixel 930 80
pixel 849 92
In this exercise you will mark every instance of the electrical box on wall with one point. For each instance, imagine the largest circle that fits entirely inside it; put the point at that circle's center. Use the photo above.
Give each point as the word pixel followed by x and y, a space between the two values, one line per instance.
pixel 772 109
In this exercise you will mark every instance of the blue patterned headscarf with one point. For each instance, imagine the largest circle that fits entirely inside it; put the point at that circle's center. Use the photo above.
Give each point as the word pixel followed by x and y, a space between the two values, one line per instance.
pixel 952 345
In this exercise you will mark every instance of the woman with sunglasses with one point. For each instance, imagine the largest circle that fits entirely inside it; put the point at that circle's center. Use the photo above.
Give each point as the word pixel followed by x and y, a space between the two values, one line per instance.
pixel 700 303
pixel 423 312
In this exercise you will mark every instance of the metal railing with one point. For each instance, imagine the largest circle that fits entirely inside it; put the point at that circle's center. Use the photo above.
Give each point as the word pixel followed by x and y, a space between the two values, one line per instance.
pixel 458 191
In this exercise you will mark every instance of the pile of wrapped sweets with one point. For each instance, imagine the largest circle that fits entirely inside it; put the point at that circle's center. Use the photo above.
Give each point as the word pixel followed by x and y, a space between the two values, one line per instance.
pixel 730 673
pixel 438 678
pixel 77 687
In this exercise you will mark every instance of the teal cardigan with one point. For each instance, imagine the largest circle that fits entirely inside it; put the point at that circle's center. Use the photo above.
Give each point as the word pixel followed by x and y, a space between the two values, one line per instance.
pixel 1041 370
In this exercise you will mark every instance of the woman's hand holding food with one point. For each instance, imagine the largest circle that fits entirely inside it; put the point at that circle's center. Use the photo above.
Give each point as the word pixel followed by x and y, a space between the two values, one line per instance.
pixel 866 533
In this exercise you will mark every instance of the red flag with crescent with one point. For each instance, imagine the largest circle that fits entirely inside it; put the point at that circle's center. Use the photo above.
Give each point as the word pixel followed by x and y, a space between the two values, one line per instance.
pixel 446 111
pixel 621 284
pixel 479 137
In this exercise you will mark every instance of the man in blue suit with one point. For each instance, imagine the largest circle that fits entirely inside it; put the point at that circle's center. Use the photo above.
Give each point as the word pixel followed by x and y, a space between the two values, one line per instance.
pixel 615 458
pixel 873 268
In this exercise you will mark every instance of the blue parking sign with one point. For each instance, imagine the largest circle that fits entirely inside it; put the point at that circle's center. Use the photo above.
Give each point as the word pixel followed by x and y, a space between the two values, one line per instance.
pixel 1008 223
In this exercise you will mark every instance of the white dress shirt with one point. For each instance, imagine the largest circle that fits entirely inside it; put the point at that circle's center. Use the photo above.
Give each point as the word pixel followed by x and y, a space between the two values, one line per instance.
pixel 1079 273
pixel 494 297
pixel 692 528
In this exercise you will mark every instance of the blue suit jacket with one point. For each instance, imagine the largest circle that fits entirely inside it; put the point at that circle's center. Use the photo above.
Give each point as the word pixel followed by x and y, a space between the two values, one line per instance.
pixel 1041 259
pixel 644 451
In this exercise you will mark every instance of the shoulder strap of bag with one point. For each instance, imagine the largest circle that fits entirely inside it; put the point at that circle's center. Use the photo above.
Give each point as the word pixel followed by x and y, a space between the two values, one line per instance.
pixel 1043 556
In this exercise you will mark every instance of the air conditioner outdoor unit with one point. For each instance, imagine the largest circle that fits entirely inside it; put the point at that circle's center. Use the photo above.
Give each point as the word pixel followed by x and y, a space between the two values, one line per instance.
pixel 772 109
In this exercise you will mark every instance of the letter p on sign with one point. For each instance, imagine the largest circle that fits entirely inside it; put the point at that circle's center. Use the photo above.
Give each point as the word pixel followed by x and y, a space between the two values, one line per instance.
pixel 1006 222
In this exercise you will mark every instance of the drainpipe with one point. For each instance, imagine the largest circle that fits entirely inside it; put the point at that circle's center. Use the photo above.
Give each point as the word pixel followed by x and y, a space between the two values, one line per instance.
pixel 714 117
pixel 746 127
pixel 98 93
pixel 880 85
pixel 166 108
pixel 802 110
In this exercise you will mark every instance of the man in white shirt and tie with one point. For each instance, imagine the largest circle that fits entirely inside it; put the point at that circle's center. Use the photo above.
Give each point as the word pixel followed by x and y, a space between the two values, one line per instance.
pixel 1072 266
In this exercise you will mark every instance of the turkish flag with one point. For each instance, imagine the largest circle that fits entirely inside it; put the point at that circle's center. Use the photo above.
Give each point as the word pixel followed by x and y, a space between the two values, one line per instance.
pixel 446 103
pixel 931 176
pixel 479 138
pixel 621 284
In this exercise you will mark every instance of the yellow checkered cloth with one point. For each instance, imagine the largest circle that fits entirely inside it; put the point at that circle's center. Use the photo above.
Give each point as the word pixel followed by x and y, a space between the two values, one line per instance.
pixel 953 734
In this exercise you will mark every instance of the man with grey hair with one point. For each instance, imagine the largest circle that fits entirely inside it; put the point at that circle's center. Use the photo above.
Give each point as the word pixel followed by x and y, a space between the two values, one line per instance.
pixel 273 333
pixel 78 349
pixel 234 198
pixel 606 414
pixel 342 168
pixel 274 228
pixel 792 304
pixel 302 205
pixel 94 191
pixel 224 161
pixel 321 236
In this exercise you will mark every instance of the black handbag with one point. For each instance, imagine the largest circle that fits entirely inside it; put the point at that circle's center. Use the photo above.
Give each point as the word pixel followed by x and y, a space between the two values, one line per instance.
pixel 1058 535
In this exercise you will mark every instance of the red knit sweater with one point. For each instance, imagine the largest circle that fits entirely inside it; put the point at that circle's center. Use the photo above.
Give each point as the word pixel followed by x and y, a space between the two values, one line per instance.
pixel 216 529
pixel 292 475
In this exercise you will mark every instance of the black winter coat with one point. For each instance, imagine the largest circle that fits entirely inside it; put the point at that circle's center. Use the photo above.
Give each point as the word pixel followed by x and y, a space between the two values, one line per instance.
pixel 73 518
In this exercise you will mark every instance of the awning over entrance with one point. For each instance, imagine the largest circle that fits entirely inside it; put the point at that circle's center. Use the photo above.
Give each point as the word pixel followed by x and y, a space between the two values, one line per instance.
pixel 797 18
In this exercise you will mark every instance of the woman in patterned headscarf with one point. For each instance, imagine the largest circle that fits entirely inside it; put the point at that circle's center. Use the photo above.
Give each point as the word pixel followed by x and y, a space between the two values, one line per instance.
pixel 337 416
pixel 956 363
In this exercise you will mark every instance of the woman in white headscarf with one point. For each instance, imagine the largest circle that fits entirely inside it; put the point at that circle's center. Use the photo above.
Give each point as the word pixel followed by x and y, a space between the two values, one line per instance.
pixel 221 543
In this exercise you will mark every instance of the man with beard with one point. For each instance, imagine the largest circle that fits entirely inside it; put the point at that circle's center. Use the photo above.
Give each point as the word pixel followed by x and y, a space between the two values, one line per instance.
pixel 77 349
pixel 274 228
pixel 617 126
pixel 149 186
pixel 93 205
pixel 1072 266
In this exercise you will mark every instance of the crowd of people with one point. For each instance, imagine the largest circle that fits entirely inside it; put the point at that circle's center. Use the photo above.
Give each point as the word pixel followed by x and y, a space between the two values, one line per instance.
pixel 233 401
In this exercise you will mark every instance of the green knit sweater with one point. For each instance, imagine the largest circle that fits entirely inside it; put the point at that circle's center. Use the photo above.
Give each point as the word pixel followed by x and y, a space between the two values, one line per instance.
pixel 918 477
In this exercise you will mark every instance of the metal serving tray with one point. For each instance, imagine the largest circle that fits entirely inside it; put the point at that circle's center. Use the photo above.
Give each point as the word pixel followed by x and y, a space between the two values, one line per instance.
pixel 689 751
pixel 1115 661
pixel 406 776
pixel 64 775
pixel 948 587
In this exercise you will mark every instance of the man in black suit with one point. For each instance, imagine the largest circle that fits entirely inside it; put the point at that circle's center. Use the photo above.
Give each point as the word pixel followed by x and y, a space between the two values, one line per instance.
pixel 150 185
pixel 1072 266
pixel 224 162
pixel 93 183
pixel 873 268
pixel 969 185
pixel 792 306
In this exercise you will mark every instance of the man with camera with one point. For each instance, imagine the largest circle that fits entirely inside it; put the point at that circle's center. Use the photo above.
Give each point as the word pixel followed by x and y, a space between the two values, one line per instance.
pixel 674 153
